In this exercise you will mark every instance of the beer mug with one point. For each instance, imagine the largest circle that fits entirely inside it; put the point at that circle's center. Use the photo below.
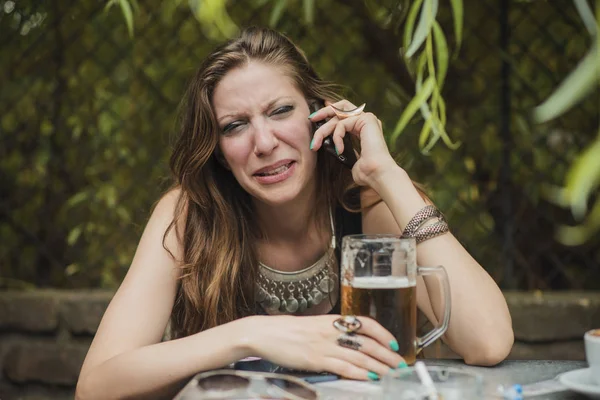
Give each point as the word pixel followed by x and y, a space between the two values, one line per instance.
pixel 379 280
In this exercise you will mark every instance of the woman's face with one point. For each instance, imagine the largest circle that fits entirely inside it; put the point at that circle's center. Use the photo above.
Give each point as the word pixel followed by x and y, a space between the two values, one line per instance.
pixel 265 133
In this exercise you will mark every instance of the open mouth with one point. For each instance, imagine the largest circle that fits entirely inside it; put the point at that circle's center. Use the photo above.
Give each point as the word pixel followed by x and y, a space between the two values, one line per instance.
pixel 276 171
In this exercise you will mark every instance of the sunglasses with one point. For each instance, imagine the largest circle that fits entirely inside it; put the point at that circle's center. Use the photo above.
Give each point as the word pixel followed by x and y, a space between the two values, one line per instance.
pixel 230 384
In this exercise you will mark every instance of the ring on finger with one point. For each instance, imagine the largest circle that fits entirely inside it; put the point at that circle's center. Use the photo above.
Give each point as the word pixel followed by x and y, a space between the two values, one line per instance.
pixel 343 114
pixel 350 341
pixel 347 324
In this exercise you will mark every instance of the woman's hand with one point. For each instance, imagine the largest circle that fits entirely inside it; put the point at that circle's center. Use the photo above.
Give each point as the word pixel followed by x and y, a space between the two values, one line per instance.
pixel 374 158
pixel 310 343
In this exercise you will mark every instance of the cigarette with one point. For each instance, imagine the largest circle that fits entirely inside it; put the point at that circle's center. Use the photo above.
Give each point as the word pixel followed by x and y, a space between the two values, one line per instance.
pixel 426 381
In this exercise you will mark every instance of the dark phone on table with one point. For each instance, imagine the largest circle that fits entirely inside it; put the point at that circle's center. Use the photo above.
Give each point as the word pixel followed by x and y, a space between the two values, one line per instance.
pixel 348 157
pixel 267 366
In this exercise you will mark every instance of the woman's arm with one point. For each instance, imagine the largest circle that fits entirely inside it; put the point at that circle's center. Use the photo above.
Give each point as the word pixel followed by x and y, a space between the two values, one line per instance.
pixel 126 358
pixel 159 370
pixel 480 328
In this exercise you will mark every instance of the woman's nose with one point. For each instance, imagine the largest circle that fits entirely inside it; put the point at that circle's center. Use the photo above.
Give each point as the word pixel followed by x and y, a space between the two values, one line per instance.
pixel 265 139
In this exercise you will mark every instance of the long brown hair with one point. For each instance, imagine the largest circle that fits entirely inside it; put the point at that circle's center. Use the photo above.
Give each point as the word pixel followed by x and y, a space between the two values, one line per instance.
pixel 218 227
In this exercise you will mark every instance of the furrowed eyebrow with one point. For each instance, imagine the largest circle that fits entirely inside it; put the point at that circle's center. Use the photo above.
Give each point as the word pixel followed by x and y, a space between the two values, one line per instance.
pixel 269 105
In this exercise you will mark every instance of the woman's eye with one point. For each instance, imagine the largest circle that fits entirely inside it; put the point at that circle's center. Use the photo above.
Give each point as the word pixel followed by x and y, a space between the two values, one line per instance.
pixel 231 127
pixel 283 110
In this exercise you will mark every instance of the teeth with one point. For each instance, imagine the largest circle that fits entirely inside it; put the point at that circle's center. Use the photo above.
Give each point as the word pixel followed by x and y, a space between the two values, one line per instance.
pixel 276 170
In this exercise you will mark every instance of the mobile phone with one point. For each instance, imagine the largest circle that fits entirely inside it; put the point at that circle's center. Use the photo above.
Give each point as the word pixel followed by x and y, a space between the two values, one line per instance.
pixel 348 156
pixel 261 365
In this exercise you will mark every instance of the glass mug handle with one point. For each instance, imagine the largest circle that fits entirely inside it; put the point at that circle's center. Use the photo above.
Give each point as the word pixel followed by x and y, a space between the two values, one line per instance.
pixel 442 326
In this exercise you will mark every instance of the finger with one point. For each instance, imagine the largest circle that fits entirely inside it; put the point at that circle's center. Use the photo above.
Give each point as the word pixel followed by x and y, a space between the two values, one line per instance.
pixel 383 354
pixel 356 123
pixel 375 331
pixel 321 113
pixel 345 369
pixel 363 360
pixel 338 137
pixel 325 130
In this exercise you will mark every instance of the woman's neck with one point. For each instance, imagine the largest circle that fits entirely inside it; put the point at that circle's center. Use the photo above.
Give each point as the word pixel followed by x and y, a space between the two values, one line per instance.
pixel 290 222
pixel 294 234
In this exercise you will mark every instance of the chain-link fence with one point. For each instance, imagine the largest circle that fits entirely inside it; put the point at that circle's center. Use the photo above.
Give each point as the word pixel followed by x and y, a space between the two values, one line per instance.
pixel 87 113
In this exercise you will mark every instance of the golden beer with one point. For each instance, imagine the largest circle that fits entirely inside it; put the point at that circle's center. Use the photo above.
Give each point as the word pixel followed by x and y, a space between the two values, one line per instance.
pixel 391 301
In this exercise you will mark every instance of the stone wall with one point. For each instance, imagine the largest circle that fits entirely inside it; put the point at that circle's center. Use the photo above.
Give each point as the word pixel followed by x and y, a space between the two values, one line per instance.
pixel 44 335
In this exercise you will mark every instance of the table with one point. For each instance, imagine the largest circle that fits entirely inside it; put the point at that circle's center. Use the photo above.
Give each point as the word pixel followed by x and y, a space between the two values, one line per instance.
pixel 507 372
pixel 522 372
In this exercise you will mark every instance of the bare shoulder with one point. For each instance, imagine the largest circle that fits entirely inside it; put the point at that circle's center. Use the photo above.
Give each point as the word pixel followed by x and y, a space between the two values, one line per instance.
pixel 142 304
pixel 168 220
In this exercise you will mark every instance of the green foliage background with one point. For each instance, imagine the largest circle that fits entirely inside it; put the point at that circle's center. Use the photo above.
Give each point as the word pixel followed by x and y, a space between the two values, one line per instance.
pixel 87 112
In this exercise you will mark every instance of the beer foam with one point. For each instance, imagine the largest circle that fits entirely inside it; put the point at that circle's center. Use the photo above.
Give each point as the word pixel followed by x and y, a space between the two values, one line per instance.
pixel 381 282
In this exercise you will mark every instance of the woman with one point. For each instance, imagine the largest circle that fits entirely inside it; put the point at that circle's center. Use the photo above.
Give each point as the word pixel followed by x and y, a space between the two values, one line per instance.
pixel 253 196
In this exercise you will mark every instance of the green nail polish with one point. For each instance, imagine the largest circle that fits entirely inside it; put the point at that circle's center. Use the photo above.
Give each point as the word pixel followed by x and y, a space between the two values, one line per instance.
pixel 394 345
pixel 402 365
pixel 336 150
pixel 312 115
pixel 312 143
pixel 373 376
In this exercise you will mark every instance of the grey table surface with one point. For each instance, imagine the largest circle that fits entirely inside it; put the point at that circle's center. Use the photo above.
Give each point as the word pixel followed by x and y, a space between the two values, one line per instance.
pixel 507 373
pixel 522 372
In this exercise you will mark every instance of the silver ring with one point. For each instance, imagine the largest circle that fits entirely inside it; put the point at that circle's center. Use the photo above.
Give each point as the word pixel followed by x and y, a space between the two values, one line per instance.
pixel 347 324
pixel 350 341
pixel 343 114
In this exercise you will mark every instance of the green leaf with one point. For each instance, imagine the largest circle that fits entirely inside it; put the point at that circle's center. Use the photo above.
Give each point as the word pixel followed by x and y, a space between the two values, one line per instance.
pixel 277 12
pixel 213 18
pixel 424 135
pixel 578 235
pixel 309 11
pixel 77 198
pixel 128 14
pixel 458 15
pixel 74 235
pixel 410 22
pixel 441 54
pixel 111 196
pixel 587 16
pixel 428 14
pixel 72 269
pixel 583 177
pixel 572 90
pixel 442 110
pixel 109 4
pixel 412 107
pixel 438 131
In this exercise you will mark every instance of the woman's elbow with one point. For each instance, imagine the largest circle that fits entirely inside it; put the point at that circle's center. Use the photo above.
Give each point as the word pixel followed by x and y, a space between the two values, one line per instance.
pixel 83 390
pixel 80 392
pixel 490 352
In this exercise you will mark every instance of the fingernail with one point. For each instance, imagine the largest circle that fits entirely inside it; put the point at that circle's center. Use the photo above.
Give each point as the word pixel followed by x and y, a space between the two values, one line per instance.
pixel 336 150
pixel 394 345
pixel 312 115
pixel 312 143
pixel 402 365
pixel 373 376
